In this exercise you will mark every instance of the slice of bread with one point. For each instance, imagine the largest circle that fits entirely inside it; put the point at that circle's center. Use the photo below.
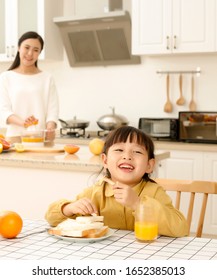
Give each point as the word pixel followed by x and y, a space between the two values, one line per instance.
pixel 98 233
pixel 84 226
pixel 72 233
pixel 89 219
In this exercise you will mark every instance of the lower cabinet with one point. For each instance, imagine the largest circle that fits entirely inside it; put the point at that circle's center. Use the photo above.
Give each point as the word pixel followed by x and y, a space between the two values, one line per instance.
pixel 193 165
pixel 30 191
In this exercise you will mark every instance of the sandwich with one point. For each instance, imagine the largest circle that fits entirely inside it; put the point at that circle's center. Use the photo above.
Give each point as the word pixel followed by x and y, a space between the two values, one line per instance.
pixel 82 226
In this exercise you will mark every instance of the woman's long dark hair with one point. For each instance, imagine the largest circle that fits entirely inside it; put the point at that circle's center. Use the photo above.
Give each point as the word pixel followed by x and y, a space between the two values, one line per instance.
pixel 122 134
pixel 25 36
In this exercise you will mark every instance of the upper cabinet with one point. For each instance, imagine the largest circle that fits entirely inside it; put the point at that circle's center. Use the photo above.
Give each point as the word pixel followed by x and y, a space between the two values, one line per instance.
pixel 20 16
pixel 173 26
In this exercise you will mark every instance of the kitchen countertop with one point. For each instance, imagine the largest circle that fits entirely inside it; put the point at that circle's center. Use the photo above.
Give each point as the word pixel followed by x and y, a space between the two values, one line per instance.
pixel 83 160
pixel 34 243
pixel 159 145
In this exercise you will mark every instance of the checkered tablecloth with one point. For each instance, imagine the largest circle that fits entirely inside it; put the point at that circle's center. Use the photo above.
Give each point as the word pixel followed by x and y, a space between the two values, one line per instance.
pixel 34 243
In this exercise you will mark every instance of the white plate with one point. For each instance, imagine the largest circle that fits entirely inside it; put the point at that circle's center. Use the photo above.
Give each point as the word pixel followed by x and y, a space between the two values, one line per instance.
pixel 83 239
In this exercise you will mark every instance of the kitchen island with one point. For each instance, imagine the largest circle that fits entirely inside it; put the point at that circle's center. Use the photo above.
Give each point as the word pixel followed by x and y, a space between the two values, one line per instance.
pixel 30 181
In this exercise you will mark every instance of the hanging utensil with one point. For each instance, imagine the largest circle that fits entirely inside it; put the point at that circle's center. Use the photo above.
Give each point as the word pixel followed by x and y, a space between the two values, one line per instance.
pixel 192 104
pixel 168 107
pixel 181 100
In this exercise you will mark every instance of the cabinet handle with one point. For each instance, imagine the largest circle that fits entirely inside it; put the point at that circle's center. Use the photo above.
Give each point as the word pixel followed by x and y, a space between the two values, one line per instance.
pixel 13 51
pixel 175 45
pixel 7 51
pixel 168 42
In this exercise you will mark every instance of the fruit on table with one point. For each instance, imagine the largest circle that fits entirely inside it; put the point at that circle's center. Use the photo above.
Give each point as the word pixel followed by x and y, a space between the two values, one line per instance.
pixel 19 147
pixel 11 224
pixel 96 146
pixel 6 144
pixel 71 149
pixel 1 148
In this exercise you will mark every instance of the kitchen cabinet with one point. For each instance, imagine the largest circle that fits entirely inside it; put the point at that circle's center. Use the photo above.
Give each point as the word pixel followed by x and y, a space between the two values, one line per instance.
pixel 182 165
pixel 29 191
pixel 173 26
pixel 20 16
pixel 193 165
pixel 210 173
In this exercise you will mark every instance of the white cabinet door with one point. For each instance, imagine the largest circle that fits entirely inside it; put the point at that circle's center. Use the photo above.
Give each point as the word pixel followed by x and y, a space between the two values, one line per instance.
pixel 151 26
pixel 210 174
pixel 193 26
pixel 182 165
pixel 20 16
pixel 8 29
pixel 173 26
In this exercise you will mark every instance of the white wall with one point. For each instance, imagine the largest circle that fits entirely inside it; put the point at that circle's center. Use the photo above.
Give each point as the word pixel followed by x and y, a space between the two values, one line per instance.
pixel 135 91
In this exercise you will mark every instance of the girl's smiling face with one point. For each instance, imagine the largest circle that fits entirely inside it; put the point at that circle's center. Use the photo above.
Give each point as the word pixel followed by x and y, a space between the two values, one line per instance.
pixel 127 162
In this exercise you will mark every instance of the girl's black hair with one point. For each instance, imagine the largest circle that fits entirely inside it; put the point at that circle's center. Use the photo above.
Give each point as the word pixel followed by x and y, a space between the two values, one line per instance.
pixel 25 36
pixel 124 133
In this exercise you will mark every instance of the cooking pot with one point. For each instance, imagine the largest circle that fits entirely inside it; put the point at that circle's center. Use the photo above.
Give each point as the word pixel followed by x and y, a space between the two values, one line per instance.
pixel 111 121
pixel 74 123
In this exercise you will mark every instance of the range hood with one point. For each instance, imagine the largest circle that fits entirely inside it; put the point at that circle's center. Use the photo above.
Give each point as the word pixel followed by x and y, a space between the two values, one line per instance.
pixel 97 39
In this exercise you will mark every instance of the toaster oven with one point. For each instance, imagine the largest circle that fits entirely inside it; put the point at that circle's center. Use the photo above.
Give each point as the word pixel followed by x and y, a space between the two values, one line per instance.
pixel 160 128
pixel 198 127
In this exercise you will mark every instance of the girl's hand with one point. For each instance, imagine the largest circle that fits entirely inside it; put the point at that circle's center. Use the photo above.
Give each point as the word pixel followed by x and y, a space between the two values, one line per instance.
pixel 83 206
pixel 125 195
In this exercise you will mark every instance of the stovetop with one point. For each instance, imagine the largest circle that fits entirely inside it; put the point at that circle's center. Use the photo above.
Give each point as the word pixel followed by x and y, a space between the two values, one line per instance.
pixel 78 136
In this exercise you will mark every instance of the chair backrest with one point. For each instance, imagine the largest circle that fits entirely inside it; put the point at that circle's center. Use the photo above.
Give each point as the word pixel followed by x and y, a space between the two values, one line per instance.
pixel 192 187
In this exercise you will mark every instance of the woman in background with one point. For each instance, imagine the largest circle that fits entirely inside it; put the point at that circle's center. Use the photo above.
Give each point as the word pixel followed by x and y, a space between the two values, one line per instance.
pixel 28 96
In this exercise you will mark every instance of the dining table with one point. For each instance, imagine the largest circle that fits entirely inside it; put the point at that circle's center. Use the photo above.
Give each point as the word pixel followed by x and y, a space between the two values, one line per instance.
pixel 35 243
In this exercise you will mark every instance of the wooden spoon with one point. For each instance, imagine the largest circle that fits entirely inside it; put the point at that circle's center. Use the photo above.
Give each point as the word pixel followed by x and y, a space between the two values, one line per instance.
pixel 181 100
pixel 192 104
pixel 168 107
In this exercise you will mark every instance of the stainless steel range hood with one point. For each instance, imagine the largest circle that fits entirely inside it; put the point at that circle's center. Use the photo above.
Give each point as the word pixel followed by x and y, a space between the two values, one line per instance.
pixel 103 39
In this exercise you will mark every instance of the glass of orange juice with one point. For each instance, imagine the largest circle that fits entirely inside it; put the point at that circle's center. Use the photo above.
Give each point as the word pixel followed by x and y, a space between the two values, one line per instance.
pixel 146 225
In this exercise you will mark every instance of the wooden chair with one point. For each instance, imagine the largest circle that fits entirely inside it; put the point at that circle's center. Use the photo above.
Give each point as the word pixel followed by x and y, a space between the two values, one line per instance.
pixel 193 187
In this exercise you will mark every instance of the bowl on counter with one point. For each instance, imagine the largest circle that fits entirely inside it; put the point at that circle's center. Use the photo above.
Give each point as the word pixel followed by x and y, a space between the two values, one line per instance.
pixel 33 138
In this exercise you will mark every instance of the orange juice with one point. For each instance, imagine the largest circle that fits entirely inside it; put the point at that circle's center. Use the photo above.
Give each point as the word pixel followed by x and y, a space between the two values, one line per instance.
pixel 32 139
pixel 146 231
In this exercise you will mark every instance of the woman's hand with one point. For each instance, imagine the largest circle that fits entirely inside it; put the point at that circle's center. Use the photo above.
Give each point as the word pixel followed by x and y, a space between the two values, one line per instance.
pixel 30 121
pixel 82 206
pixel 125 195
pixel 50 131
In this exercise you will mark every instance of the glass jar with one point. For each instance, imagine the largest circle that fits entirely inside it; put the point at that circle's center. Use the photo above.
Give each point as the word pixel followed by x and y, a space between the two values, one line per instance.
pixel 146 224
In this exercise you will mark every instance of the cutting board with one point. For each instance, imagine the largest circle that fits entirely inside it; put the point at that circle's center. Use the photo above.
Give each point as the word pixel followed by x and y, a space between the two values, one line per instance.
pixel 55 149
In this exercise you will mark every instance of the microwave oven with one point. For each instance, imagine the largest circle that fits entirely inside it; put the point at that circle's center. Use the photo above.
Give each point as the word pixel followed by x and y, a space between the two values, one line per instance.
pixel 160 128
pixel 198 127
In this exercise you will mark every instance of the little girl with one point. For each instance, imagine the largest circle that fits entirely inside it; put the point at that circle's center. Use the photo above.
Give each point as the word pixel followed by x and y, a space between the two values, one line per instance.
pixel 128 160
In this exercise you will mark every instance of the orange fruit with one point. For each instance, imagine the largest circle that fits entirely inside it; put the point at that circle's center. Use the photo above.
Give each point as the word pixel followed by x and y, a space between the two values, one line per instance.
pixel 2 136
pixel 71 149
pixel 96 146
pixel 6 144
pixel 11 224
pixel 1 148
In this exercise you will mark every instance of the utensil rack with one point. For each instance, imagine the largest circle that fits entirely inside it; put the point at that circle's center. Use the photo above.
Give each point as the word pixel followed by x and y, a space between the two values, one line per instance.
pixel 197 72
